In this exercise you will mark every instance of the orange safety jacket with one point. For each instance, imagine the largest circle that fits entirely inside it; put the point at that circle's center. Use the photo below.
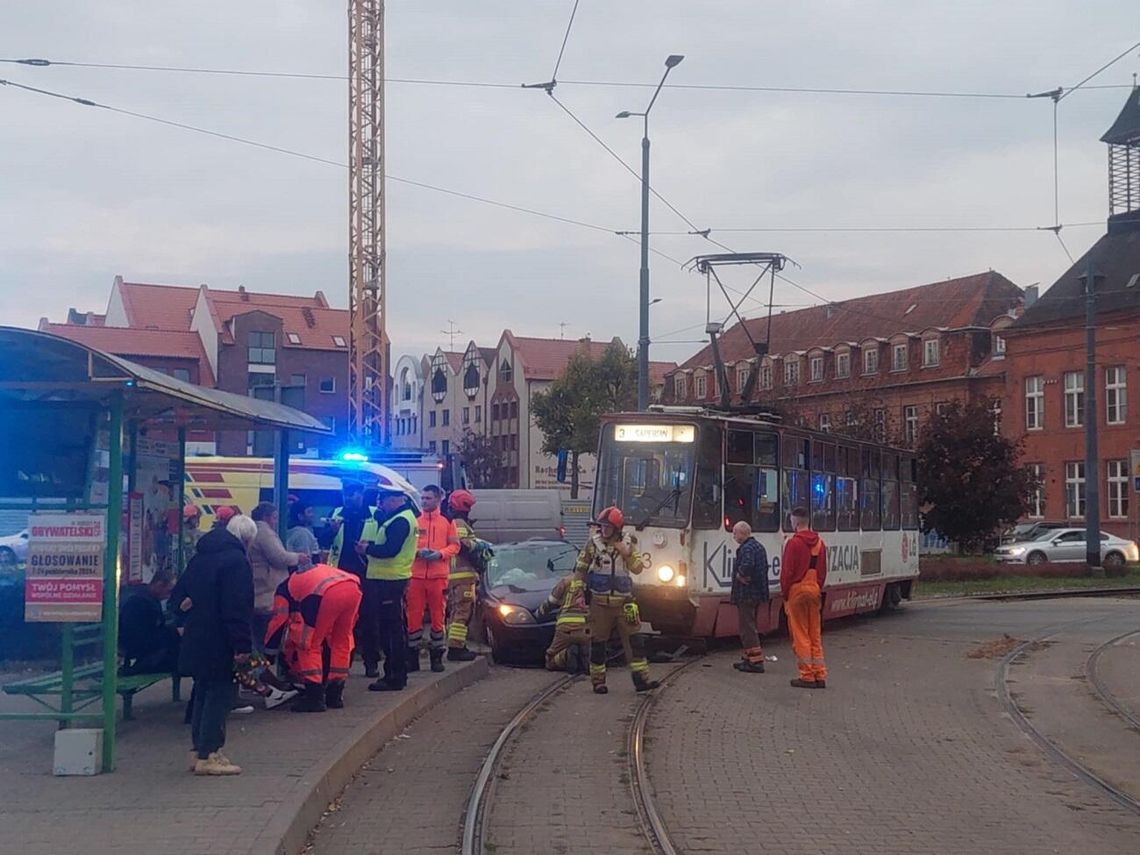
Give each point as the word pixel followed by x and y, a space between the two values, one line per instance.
pixel 435 532
pixel 297 603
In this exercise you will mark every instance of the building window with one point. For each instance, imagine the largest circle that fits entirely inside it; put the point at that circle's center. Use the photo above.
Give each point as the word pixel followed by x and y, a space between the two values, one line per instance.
pixel 880 416
pixel 930 352
pixel 182 374
pixel 843 364
pixel 791 371
pixel 1115 394
pixel 825 422
pixel 293 338
pixel 1074 489
pixel 766 375
pixel 898 357
pixel 466 415
pixel 940 407
pixel 478 414
pixel 297 380
pixel 446 417
pixel 679 387
pixel 494 412
pixel 1034 403
pixel 741 377
pixel 999 347
pixel 1118 489
pixel 446 447
pixel 431 447
pixel 262 350
pixel 431 418
pixel 910 424
pixel 514 442
pixel 339 341
pixel 871 360
pixel 514 409
pixel 816 368
pixel 1074 399
pixel 1037 500
pixel 327 385
pixel 505 373
pixel 699 386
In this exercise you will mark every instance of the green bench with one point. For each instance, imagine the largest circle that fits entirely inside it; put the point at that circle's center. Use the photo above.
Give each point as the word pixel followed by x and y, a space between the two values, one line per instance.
pixel 86 688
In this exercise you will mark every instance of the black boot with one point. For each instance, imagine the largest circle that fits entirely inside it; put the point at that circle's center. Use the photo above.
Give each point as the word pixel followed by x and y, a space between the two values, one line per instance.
pixel 436 659
pixel 372 671
pixel 413 659
pixel 311 700
pixel 334 695
pixel 641 683
pixel 460 654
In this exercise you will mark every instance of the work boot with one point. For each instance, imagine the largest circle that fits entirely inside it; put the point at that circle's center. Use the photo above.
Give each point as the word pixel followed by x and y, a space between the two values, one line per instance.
pixel 600 689
pixel 436 654
pixel 749 667
pixel 803 684
pixel 384 686
pixel 372 671
pixel 413 659
pixel 311 700
pixel 641 683
pixel 461 654
pixel 821 684
pixel 215 765
pixel 334 695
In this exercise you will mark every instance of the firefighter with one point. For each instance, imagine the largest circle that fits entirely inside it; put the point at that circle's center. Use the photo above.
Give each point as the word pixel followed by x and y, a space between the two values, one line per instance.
pixel 436 544
pixel 345 525
pixel 571 630
pixel 610 561
pixel 312 609
pixel 803 571
pixel 468 566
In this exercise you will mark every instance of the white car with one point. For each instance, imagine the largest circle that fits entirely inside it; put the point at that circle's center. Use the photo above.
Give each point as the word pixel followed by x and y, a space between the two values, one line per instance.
pixel 14 549
pixel 1067 545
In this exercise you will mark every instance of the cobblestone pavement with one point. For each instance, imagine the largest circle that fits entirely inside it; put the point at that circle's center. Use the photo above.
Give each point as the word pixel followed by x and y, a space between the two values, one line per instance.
pixel 906 751
pixel 410 797
pixel 151 805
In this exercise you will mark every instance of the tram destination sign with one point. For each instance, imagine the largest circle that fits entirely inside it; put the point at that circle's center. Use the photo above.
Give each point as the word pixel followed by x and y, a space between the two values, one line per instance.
pixel 654 433
pixel 64 578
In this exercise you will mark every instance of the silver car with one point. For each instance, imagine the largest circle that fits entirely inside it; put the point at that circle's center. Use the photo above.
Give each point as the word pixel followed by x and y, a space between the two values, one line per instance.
pixel 14 549
pixel 1066 546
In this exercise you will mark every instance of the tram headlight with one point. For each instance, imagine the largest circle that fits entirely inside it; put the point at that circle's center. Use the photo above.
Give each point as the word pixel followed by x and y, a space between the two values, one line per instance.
pixel 665 573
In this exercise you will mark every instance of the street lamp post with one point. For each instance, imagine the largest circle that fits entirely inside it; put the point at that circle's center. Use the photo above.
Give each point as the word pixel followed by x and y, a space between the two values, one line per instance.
pixel 643 331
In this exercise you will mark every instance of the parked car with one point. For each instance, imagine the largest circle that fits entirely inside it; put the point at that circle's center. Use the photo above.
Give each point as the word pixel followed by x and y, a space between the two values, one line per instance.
pixel 520 576
pixel 14 549
pixel 1030 531
pixel 1067 545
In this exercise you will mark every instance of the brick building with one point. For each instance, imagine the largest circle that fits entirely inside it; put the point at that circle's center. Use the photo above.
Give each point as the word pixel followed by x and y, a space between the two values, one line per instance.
pixel 879 364
pixel 287 347
pixel 1046 357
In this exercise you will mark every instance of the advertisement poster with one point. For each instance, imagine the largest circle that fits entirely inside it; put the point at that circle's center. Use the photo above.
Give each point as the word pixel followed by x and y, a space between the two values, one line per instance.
pixel 134 539
pixel 156 480
pixel 64 580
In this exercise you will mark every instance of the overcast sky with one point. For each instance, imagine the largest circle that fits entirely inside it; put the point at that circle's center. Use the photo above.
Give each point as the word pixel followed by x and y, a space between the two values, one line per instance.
pixel 86 194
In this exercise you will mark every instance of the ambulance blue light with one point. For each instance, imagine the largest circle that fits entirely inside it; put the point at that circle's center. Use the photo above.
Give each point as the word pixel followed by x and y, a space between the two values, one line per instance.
pixel 353 456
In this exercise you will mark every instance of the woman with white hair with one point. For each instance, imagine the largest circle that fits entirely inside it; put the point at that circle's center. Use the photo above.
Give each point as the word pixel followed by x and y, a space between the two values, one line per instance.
pixel 218 586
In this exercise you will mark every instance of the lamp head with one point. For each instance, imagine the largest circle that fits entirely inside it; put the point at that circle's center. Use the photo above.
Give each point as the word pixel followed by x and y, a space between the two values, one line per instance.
pixel 673 60
pixel 624 114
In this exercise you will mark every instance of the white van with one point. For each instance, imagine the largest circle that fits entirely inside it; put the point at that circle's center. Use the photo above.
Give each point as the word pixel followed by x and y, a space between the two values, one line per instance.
pixel 508 516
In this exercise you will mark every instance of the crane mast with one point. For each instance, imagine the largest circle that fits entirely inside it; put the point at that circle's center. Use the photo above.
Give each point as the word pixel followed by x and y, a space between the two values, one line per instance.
pixel 368 342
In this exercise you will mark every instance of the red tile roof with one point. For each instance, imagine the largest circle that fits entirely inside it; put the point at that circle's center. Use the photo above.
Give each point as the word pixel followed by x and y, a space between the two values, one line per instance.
pixel 545 358
pixel 314 326
pixel 968 301
pixel 132 343
pixel 157 307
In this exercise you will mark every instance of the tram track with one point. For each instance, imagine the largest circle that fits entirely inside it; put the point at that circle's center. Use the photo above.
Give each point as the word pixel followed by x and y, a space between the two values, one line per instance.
pixel 1020 718
pixel 1103 693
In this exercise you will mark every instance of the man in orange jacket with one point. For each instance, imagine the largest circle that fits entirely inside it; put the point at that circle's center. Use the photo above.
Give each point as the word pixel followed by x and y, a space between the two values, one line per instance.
pixel 311 609
pixel 803 571
pixel 437 544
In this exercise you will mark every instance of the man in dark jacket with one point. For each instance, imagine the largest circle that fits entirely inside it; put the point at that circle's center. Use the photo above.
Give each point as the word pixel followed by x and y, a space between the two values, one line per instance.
pixel 216 596
pixel 749 591
pixel 149 644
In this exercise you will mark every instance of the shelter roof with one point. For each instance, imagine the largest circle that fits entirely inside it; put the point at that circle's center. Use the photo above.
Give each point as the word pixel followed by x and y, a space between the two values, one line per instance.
pixel 121 341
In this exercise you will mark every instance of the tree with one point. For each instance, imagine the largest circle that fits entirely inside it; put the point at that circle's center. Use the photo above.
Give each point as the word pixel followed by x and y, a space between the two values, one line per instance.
pixel 970 478
pixel 569 412
pixel 482 462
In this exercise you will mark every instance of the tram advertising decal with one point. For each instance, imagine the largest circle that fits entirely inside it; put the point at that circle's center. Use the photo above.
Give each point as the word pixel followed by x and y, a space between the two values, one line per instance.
pixel 718 560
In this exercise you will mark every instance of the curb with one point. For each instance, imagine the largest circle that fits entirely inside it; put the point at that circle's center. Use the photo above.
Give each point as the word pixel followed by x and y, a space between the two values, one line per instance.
pixel 288 829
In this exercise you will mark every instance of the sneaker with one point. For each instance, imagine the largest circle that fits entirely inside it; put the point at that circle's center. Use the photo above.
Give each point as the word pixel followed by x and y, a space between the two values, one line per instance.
pixel 277 697
pixel 215 765
pixel 241 709
pixel 193 759
pixel 749 667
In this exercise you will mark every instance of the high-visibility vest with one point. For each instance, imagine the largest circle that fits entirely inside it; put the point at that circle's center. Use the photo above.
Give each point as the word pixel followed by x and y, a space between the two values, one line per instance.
pixel 289 609
pixel 338 540
pixel 461 567
pixel 399 566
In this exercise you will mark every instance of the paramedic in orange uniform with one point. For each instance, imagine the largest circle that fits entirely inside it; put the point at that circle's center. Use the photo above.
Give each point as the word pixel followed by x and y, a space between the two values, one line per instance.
pixel 803 571
pixel 437 544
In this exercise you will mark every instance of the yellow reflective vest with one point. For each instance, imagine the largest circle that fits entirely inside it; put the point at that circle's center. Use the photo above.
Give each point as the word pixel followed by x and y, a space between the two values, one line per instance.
pixel 399 566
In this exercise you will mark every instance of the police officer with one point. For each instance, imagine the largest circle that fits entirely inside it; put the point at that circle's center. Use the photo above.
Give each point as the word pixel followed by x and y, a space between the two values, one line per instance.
pixel 345 525
pixel 610 560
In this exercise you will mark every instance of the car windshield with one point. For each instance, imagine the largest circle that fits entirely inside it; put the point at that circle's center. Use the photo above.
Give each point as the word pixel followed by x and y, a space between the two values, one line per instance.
pixel 647 471
pixel 530 566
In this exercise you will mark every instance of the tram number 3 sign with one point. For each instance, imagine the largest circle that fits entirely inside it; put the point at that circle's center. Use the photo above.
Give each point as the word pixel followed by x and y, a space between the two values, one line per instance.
pixel 64 580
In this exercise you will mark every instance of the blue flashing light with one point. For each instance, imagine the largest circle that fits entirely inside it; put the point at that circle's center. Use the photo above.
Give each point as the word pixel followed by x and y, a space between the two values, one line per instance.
pixel 353 456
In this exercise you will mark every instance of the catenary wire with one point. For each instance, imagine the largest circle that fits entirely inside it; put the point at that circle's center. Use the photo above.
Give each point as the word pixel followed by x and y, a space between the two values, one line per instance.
pixel 1104 67
pixel 565 39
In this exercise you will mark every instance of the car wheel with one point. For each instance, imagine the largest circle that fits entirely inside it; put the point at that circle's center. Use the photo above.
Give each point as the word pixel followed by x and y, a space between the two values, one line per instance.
pixel 1036 558
pixel 1114 559
pixel 7 557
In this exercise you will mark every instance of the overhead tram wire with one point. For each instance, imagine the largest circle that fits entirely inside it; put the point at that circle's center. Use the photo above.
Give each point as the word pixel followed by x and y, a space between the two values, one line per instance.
pixel 1103 68
pixel 565 39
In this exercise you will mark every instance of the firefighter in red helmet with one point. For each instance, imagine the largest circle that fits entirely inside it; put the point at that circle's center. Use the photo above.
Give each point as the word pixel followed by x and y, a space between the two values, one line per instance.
pixel 466 568
pixel 610 561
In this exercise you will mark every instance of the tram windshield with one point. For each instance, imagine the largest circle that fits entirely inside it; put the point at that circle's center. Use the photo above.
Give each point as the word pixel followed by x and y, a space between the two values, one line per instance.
pixel 647 471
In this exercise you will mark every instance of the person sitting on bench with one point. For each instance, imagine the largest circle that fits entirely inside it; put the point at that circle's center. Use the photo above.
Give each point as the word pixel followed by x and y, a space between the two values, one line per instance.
pixel 148 643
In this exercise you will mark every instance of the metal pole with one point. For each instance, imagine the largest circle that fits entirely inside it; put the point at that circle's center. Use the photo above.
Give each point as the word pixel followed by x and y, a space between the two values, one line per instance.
pixel 643 335
pixel 281 481
pixel 180 553
pixel 111 581
pixel 1092 462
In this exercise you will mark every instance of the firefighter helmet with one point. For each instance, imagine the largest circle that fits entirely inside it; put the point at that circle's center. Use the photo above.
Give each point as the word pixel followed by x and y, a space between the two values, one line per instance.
pixel 612 516
pixel 461 501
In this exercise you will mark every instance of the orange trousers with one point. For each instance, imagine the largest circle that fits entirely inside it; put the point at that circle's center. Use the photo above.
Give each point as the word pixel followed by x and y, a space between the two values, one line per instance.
pixel 335 620
pixel 806 625
pixel 426 592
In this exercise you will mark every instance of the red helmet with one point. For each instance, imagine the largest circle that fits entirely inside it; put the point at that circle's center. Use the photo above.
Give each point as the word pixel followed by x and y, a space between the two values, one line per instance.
pixel 461 501
pixel 612 516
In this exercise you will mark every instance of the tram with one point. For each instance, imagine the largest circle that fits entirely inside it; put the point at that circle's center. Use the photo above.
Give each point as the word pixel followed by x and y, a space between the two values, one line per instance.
pixel 684 476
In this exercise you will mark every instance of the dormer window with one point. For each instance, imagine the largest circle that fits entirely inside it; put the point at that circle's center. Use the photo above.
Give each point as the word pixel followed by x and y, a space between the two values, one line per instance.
pixel 930 352
pixel 899 357
pixel 871 359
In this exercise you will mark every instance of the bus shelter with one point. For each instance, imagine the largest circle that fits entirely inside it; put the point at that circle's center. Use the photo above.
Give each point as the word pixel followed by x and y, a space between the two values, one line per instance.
pixel 76 421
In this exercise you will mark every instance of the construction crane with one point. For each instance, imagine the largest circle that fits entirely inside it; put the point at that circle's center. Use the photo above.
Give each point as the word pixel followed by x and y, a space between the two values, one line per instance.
pixel 369 347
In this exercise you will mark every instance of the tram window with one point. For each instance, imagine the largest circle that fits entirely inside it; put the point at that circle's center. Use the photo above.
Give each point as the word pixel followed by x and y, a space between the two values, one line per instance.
pixel 848 463
pixel 890 505
pixel 847 503
pixel 870 517
pixel 738 485
pixel 766 449
pixel 795 493
pixel 871 463
pixel 823 456
pixel 739 448
pixel 909 503
pixel 795 452
pixel 822 502
pixel 767 513
pixel 890 466
pixel 906 468
pixel 707 500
